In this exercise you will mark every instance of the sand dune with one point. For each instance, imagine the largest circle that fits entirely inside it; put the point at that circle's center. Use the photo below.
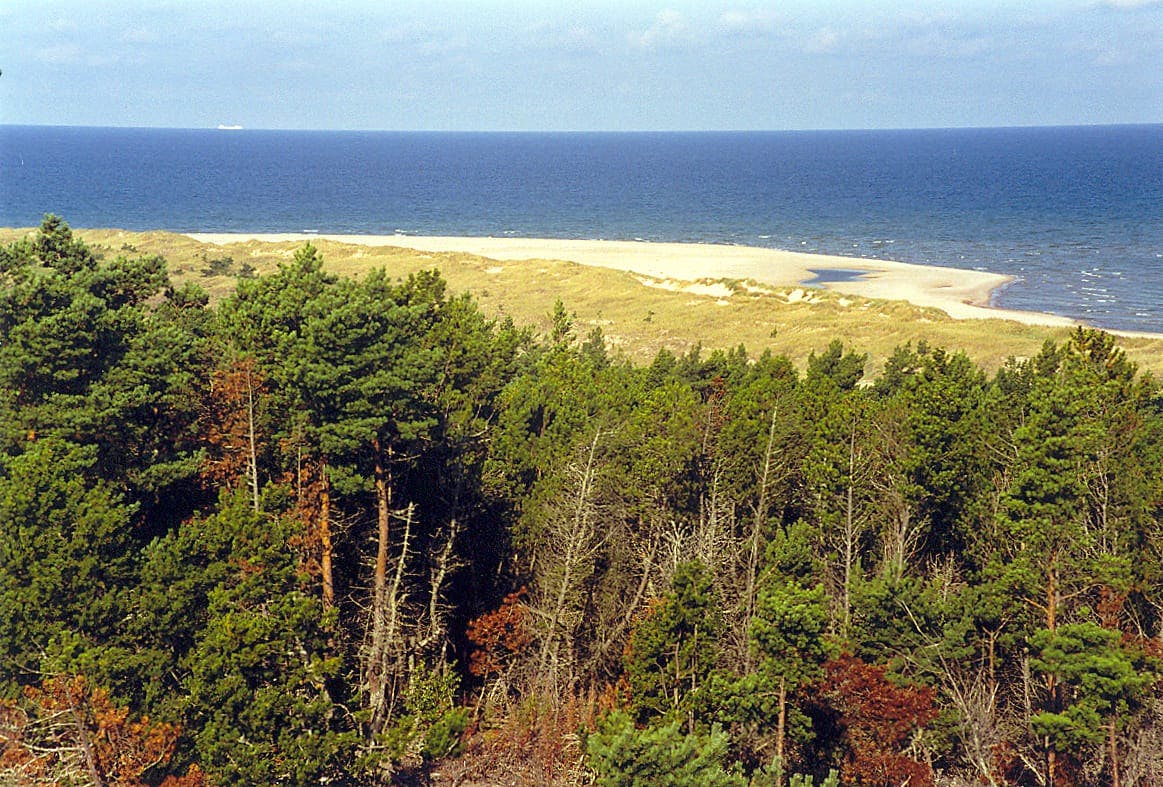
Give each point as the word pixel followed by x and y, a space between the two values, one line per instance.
pixel 962 294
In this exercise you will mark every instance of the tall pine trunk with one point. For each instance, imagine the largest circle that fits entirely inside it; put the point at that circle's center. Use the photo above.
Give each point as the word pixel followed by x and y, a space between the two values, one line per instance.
pixel 1051 680
pixel 850 535
pixel 325 539
pixel 781 727
pixel 751 581
pixel 377 655
pixel 252 439
pixel 1114 756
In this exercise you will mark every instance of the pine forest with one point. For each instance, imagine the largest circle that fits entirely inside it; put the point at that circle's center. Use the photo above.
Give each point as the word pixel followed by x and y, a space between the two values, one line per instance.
pixel 337 530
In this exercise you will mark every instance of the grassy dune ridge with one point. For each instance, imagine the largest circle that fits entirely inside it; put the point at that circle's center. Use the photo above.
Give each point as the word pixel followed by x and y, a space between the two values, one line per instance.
pixel 639 315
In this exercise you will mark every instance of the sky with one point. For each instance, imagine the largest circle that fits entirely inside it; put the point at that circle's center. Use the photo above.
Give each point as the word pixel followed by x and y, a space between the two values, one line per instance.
pixel 580 66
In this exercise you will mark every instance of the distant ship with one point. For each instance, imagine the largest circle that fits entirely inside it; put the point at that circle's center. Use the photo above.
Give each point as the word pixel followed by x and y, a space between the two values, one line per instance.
pixel 222 127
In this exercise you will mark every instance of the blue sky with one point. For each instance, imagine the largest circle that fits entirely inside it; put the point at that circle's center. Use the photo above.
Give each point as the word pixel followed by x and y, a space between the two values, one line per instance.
pixel 525 65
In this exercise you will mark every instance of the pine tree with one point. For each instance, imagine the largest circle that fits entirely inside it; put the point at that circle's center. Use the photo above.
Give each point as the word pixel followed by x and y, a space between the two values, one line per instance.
pixel 674 650
pixel 67 551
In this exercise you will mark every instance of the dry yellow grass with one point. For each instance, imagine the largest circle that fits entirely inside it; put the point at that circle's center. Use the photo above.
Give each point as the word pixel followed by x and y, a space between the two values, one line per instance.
pixel 638 319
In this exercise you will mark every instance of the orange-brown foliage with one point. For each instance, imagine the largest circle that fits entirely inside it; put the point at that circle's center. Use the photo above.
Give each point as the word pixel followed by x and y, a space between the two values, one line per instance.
pixel 69 730
pixel 500 636
pixel 308 540
pixel 194 777
pixel 536 743
pixel 227 419
pixel 878 718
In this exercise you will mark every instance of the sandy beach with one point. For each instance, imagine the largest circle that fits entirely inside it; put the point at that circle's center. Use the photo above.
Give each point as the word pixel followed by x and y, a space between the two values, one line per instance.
pixel 962 294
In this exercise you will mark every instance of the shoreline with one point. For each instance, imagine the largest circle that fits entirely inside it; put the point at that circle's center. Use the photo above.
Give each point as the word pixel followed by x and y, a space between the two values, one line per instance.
pixel 960 293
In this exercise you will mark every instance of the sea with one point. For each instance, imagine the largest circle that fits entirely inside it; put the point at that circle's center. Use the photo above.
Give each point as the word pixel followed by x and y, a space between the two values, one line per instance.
pixel 1074 214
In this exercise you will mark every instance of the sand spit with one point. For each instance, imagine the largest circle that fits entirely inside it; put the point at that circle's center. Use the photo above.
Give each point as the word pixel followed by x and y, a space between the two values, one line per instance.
pixel 962 294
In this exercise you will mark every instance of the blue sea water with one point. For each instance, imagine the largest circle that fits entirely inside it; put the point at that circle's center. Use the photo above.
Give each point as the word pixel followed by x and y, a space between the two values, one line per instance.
pixel 1075 214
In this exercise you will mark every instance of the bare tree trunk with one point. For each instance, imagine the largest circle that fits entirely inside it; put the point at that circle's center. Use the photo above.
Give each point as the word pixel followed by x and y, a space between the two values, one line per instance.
pixel 1051 681
pixel 1114 756
pixel 694 683
pixel 713 534
pixel 1034 760
pixel 630 611
pixel 250 428
pixel 444 565
pixel 850 535
pixel 299 472
pixel 973 694
pixel 375 668
pixel 86 745
pixel 751 580
pixel 392 646
pixel 325 539
pixel 578 546
pixel 781 727
pixel 1051 596
pixel 383 520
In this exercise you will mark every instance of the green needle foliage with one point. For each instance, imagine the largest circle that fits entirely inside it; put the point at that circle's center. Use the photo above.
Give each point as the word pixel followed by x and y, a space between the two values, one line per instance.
pixel 269 530
pixel 1101 679
pixel 66 552
pixel 620 754
pixel 673 651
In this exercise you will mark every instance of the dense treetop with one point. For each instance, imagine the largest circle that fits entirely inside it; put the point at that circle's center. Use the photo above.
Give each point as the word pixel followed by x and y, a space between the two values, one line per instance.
pixel 343 529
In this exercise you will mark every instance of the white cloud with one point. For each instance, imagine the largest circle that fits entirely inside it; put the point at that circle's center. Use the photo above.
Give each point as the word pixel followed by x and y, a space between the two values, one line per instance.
pixel 139 35
pixel 299 66
pixel 749 24
pixel 573 39
pixel 1130 5
pixel 60 54
pixel 67 54
pixel 1109 57
pixel 824 41
pixel 62 24
pixel 670 29
pixel 942 44
pixel 453 46
pixel 295 38
pixel 410 33
pixel 425 41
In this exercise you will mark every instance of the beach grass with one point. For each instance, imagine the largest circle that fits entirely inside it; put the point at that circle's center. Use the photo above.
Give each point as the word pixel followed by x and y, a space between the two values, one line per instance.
pixel 637 314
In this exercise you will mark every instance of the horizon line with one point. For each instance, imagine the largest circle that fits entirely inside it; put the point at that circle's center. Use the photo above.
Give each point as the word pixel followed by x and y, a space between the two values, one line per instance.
pixel 239 128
